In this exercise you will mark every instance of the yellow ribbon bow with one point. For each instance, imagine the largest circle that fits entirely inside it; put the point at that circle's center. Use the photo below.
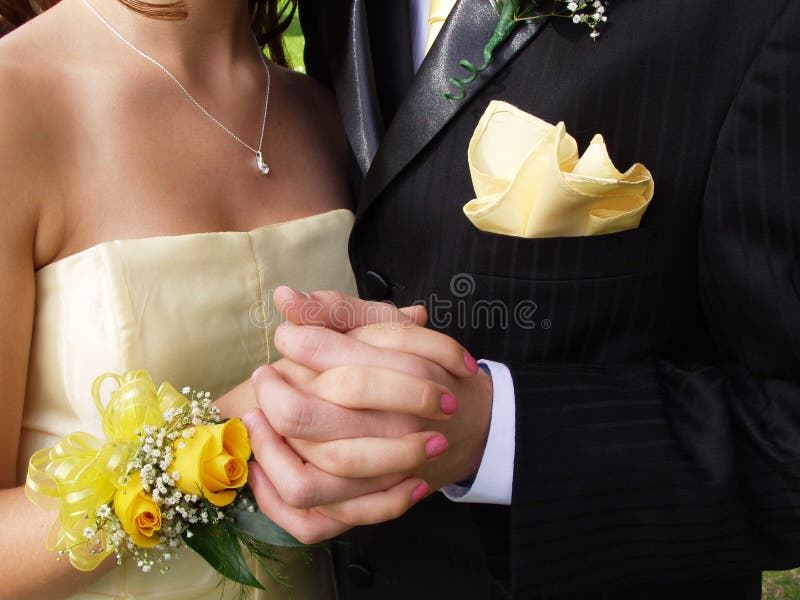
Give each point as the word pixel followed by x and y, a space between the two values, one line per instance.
pixel 81 473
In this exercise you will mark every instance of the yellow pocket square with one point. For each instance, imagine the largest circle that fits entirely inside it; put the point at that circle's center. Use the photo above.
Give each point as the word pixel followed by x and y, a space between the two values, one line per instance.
pixel 530 181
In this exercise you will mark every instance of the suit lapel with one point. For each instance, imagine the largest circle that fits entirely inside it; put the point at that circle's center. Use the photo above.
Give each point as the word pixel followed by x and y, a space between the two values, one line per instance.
pixel 423 112
pixel 371 67
pixel 353 76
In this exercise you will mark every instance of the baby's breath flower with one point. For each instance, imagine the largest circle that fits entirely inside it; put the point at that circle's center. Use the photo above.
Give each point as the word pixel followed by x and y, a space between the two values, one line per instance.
pixel 151 462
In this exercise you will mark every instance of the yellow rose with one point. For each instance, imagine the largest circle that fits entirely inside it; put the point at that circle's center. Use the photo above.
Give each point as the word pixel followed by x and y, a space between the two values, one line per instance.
pixel 213 461
pixel 139 515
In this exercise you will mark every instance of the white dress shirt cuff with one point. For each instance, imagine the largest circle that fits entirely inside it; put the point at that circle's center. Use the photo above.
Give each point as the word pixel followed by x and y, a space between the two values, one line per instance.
pixel 495 476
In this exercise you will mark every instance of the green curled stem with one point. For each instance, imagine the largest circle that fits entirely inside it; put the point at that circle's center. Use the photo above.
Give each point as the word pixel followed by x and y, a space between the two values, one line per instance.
pixel 507 22
pixel 591 14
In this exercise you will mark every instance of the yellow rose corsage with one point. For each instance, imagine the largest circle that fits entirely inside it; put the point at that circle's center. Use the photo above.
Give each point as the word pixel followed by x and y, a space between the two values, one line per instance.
pixel 169 472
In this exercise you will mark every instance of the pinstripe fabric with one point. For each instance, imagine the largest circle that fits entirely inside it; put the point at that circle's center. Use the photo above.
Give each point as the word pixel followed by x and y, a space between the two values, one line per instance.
pixel 657 370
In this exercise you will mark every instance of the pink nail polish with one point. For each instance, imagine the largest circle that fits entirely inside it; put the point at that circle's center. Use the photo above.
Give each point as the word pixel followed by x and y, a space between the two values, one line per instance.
pixel 471 363
pixel 449 404
pixel 435 446
pixel 419 492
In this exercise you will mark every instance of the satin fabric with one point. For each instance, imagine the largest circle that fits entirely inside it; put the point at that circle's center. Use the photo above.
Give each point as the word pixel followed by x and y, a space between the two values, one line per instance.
pixel 530 181
pixel 193 310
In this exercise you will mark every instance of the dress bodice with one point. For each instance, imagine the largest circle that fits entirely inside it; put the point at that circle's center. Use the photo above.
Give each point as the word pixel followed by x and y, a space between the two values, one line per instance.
pixel 193 310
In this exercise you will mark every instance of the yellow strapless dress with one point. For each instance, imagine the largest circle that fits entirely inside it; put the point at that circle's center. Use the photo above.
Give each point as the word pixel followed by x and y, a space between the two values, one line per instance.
pixel 193 310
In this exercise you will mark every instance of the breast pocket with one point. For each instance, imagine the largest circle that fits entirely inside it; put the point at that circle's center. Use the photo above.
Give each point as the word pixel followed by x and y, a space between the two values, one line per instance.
pixel 577 298
pixel 562 258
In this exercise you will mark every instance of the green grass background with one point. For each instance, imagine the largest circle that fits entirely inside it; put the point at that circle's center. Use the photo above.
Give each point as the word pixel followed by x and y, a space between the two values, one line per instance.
pixel 293 40
pixel 781 585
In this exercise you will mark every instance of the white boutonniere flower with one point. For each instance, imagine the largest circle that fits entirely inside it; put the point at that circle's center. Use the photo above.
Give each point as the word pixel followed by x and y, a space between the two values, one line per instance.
pixel 589 13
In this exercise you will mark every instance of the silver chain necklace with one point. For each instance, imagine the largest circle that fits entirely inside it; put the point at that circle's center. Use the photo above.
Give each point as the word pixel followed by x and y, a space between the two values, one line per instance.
pixel 263 167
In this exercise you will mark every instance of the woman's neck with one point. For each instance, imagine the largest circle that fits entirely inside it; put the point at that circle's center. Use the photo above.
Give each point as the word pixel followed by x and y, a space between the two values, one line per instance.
pixel 215 34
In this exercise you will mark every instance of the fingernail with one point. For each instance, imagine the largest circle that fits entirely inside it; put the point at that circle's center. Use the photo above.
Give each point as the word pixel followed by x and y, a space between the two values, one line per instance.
pixel 419 492
pixel 295 293
pixel 257 373
pixel 435 446
pixel 471 363
pixel 449 404
pixel 249 418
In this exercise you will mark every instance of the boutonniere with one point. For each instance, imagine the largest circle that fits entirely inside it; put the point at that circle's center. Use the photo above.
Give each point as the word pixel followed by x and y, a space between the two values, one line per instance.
pixel 588 13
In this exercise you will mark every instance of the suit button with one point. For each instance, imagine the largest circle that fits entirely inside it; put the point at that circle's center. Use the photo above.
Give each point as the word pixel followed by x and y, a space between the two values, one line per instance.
pixel 377 286
pixel 360 575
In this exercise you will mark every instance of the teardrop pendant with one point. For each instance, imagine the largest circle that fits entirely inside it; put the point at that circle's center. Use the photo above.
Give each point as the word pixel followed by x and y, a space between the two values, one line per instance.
pixel 263 167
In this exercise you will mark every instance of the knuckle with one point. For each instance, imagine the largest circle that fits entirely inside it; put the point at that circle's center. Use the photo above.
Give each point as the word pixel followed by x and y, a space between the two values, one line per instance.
pixel 299 493
pixel 349 381
pixel 454 351
pixel 261 502
pixel 378 317
pixel 299 343
pixel 283 336
pixel 349 516
pixel 414 366
pixel 306 534
pixel 393 510
pixel 290 418
pixel 331 297
pixel 338 461
pixel 308 345
pixel 429 399
pixel 263 387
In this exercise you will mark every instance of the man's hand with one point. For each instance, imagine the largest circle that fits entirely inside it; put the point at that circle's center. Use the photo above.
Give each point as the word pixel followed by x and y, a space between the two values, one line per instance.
pixel 364 415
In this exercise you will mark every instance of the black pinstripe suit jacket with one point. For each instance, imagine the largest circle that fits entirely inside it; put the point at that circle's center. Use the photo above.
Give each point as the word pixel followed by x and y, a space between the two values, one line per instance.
pixel 657 371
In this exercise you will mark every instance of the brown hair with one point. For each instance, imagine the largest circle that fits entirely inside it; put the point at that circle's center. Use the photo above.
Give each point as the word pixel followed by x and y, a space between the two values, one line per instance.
pixel 268 18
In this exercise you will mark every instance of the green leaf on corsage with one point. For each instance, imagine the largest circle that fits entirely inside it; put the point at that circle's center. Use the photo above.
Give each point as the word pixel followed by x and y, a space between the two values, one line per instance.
pixel 257 526
pixel 219 544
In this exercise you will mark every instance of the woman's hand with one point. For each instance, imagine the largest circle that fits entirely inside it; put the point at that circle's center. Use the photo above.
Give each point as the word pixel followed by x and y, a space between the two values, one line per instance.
pixel 384 402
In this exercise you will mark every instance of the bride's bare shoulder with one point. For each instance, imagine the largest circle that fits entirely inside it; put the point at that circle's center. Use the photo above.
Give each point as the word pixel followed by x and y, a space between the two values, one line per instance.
pixel 22 108
pixel 38 41
pixel 316 107
pixel 21 127
pixel 29 117
pixel 30 61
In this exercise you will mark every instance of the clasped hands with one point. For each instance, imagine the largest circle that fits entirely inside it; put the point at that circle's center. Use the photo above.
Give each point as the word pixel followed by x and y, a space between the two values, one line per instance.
pixel 367 413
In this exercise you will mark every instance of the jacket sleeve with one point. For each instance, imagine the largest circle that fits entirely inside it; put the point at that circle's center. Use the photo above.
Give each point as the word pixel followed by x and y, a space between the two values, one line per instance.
pixel 653 471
